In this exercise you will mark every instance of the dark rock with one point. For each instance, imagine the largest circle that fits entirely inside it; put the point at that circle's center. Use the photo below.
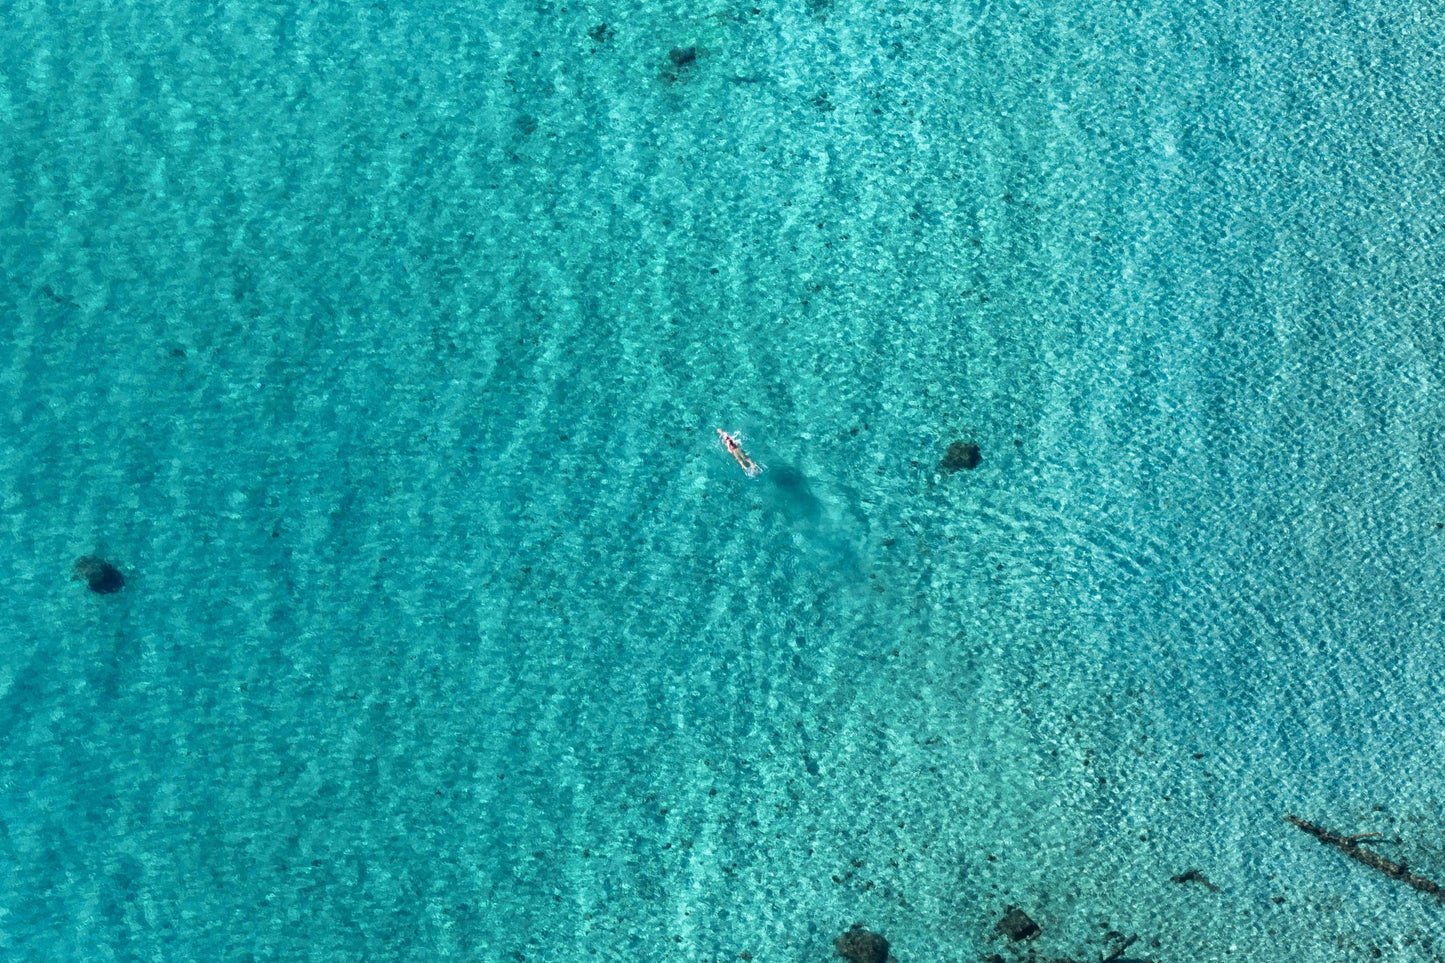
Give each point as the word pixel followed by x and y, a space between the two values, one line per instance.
pixel 680 62
pixel 858 945
pixel 961 454
pixel 601 33
pixel 1016 925
pixel 100 575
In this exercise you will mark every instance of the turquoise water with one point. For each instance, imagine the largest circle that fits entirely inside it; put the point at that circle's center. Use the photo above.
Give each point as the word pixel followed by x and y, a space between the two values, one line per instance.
pixel 382 346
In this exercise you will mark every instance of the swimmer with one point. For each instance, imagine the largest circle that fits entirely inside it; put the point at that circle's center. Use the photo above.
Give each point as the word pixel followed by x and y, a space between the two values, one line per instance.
pixel 749 467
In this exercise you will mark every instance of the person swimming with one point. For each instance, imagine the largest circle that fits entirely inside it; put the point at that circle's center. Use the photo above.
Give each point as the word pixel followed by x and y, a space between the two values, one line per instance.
pixel 749 467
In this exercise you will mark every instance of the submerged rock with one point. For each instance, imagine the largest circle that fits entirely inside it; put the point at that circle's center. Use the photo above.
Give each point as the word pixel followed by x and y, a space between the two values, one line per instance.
pixel 858 945
pixel 1016 925
pixel 961 454
pixel 680 60
pixel 102 577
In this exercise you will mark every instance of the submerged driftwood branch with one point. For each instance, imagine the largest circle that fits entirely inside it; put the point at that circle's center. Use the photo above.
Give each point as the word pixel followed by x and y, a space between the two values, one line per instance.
pixel 1349 845
pixel 1119 950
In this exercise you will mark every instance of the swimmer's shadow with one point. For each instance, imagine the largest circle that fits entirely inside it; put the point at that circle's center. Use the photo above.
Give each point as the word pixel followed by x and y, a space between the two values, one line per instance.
pixel 792 496
pixel 825 527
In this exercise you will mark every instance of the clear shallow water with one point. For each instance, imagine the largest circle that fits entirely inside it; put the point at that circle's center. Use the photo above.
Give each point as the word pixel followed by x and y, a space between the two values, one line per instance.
pixel 382 349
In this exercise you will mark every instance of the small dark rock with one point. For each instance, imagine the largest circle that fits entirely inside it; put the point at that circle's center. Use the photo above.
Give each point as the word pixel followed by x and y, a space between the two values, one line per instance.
pixel 1016 925
pixel 680 63
pixel 961 454
pixel 100 575
pixel 601 33
pixel 858 945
